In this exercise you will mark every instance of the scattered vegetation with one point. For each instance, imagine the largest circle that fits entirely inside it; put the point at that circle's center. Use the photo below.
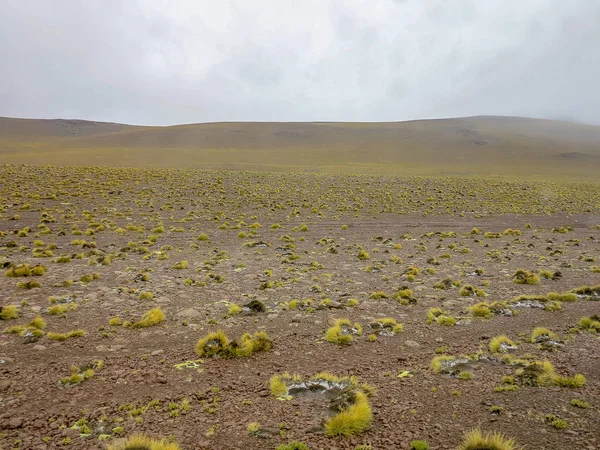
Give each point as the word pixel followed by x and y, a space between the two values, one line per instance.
pixel 477 440
pixel 342 330
pixel 218 344
pixel 141 442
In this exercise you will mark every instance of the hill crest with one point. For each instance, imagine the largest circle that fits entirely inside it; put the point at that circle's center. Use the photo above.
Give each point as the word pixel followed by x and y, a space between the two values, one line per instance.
pixel 480 145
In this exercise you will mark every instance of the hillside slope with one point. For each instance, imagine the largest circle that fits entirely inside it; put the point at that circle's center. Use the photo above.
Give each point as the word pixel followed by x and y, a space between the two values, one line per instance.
pixel 486 146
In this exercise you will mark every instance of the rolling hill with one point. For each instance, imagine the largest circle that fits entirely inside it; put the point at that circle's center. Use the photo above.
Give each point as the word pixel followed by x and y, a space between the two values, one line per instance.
pixel 472 146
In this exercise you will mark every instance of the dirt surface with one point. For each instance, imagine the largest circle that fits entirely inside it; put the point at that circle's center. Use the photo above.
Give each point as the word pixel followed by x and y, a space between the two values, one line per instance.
pixel 138 386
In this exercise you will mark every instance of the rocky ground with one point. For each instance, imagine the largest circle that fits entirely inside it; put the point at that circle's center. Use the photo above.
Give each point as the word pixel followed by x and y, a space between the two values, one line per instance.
pixel 311 249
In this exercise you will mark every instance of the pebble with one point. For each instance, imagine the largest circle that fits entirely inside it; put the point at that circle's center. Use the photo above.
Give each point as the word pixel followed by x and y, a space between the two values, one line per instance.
pixel 39 347
pixel 412 344
pixel 189 313
pixel 15 422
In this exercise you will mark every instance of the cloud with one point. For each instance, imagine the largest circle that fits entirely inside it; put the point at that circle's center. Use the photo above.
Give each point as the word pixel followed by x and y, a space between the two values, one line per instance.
pixel 164 62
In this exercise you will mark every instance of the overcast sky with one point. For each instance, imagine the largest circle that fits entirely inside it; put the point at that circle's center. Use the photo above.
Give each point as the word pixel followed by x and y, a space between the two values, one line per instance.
pixel 181 61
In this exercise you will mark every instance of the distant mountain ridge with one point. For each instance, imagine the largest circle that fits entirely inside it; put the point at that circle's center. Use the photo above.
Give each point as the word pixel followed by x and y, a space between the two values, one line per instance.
pixel 481 145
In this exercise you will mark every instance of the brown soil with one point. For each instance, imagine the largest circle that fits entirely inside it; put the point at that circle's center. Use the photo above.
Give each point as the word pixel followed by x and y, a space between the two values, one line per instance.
pixel 38 412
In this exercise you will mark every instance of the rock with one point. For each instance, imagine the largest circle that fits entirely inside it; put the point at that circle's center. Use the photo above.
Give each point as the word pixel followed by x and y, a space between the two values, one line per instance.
pixel 15 422
pixel 39 347
pixel 36 308
pixel 189 313
pixel 157 352
pixel 412 344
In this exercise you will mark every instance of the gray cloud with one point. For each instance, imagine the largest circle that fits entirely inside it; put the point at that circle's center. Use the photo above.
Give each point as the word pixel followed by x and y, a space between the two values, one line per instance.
pixel 161 62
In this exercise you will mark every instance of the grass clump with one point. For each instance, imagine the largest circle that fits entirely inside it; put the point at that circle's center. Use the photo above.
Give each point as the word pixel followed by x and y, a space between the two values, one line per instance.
pixel 523 276
pixel 253 428
pixel 502 344
pixel 556 422
pixel 363 255
pixel 590 324
pixel 588 292
pixel 9 312
pixel 65 336
pixel 580 403
pixel 33 329
pixel 341 332
pixel 83 373
pixel 89 277
pixel 349 399
pixel 405 296
pixel 28 285
pixel 481 309
pixel 564 297
pixel 61 308
pixel 293 445
pixel 145 295
pixel 181 265
pixel 446 321
pixel 467 290
pixel 476 440
pixel 386 325
pixel 541 334
pixel 419 445
pixel 234 309
pixel 24 270
pixel 378 295
pixel 542 373
pixel 352 420
pixel 438 316
pixel 141 442
pixel 574 382
pixel 150 318
pixel 218 344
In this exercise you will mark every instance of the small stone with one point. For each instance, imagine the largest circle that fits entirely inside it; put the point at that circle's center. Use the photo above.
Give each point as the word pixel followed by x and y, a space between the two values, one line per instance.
pixel 157 352
pixel 15 422
pixel 39 347
pixel 189 313
pixel 412 344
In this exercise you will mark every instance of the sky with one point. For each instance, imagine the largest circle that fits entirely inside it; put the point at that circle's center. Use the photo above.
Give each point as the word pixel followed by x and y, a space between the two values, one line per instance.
pixel 160 62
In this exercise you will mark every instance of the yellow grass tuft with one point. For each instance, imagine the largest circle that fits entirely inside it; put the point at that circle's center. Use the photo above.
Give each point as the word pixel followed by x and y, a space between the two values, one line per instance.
pixel 9 312
pixel 476 440
pixel 141 442
pixel 352 420
pixel 150 318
